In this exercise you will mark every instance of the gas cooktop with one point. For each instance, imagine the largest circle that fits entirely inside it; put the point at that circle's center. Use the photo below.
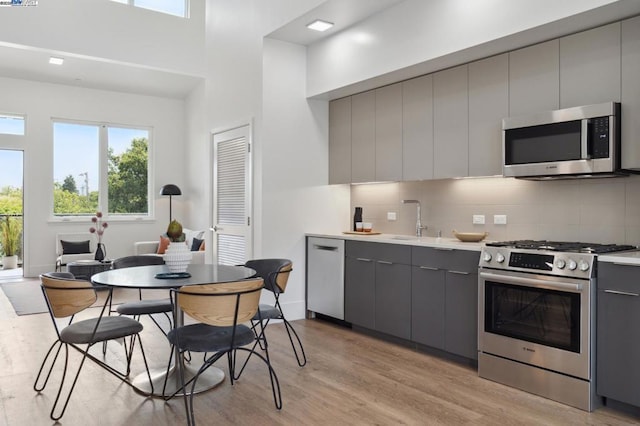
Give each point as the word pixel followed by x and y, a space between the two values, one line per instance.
pixel 562 246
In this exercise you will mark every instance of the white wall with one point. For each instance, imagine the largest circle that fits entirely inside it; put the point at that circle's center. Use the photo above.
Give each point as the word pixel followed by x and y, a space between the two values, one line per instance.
pixel 295 198
pixel 234 95
pixel 40 102
pixel 110 30
pixel 417 37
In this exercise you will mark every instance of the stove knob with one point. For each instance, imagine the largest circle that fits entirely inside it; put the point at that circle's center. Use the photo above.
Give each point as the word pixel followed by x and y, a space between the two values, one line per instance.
pixel 499 258
pixel 572 264
pixel 487 257
pixel 560 263
pixel 583 266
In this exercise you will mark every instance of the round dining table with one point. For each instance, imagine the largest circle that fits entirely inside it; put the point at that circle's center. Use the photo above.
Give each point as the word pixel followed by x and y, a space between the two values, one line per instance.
pixel 167 382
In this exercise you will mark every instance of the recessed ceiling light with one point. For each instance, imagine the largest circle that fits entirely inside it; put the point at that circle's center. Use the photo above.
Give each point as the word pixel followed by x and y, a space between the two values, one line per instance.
pixel 56 61
pixel 320 25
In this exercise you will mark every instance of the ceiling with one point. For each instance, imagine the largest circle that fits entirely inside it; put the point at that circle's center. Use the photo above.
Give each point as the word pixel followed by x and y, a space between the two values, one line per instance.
pixel 342 13
pixel 29 63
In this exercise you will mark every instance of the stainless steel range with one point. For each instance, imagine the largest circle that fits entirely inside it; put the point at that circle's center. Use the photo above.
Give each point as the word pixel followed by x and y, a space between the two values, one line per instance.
pixel 536 317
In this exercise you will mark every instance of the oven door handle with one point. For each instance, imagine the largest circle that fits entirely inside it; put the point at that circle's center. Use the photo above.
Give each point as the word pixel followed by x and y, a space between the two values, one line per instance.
pixel 532 282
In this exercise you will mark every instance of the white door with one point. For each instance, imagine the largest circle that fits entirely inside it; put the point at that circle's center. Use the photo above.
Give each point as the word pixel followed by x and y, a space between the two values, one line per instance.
pixel 232 196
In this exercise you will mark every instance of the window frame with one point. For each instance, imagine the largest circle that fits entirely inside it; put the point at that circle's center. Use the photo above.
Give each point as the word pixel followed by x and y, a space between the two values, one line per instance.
pixel 103 172
pixel 132 3
pixel 15 115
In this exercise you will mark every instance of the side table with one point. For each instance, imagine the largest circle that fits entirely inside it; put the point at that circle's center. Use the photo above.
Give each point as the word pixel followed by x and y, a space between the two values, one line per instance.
pixel 84 269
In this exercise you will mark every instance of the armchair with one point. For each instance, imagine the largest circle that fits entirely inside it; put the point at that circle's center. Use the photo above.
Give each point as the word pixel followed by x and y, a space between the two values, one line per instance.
pixel 72 247
pixel 151 247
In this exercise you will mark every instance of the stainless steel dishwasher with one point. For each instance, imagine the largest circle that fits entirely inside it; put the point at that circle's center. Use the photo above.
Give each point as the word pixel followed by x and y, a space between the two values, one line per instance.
pixel 325 276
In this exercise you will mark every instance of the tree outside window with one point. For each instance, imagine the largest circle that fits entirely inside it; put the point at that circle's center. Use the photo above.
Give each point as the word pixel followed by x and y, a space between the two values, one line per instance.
pixel 86 180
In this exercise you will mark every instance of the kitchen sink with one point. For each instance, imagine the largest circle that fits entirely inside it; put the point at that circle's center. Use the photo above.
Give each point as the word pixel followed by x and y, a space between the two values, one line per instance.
pixel 403 237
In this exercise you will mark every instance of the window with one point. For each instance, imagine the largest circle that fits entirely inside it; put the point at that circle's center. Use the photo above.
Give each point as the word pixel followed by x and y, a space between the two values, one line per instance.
pixel 171 7
pixel 12 124
pixel 99 167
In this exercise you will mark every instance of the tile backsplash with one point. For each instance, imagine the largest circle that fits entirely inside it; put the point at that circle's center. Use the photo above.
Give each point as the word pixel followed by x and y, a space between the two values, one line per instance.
pixel 589 210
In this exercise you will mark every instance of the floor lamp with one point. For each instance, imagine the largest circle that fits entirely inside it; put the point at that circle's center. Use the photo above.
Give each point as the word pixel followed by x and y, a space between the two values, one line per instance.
pixel 170 190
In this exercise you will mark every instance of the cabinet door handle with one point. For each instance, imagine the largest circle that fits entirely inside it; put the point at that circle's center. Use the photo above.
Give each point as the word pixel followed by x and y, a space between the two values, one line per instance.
pixel 362 259
pixel 459 272
pixel 327 248
pixel 622 293
pixel 384 262
pixel 429 268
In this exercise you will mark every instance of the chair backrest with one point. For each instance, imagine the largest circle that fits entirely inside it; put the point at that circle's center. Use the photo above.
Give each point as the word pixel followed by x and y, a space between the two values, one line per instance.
pixel 222 305
pixel 67 296
pixel 274 272
pixel 137 260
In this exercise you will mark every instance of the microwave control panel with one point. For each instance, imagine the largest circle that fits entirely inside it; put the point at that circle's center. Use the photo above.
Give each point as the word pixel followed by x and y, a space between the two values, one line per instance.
pixel 599 137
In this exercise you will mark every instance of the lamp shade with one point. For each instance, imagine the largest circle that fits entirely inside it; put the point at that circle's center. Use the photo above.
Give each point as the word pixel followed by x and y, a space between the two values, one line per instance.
pixel 170 189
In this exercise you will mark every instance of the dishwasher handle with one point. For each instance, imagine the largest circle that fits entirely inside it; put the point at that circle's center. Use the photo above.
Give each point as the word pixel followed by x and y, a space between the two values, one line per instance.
pixel 325 248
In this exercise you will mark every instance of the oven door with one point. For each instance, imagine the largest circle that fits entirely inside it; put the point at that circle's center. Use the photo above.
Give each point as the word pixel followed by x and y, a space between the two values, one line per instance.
pixel 536 319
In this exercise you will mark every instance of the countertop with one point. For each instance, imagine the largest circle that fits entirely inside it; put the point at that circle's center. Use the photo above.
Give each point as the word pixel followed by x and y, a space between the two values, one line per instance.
pixel 445 243
pixel 624 258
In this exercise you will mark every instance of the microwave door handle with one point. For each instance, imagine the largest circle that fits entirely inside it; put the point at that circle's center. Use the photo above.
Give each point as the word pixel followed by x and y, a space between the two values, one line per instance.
pixel 585 152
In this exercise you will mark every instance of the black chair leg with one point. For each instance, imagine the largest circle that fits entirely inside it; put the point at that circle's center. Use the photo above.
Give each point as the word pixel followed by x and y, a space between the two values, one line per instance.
pixel 59 345
pixel 301 361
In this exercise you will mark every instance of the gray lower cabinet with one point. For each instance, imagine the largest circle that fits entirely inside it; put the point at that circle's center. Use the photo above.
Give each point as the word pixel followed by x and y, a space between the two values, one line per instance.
pixel 445 300
pixel 618 328
pixel 378 287
pixel 428 306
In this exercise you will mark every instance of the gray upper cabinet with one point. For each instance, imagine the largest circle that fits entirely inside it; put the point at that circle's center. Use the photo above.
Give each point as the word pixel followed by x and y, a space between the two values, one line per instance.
pixel 488 105
pixel 451 123
pixel 590 67
pixel 388 128
pixel 630 133
pixel 363 137
pixel 534 79
pixel 340 141
pixel 417 128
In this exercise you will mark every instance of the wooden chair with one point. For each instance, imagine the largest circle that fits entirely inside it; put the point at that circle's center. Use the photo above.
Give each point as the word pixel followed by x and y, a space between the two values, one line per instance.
pixel 65 298
pixel 221 310
pixel 144 306
pixel 275 273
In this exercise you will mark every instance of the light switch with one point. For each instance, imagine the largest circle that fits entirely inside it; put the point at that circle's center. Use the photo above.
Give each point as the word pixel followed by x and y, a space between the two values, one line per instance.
pixel 391 216
pixel 499 219
pixel 478 219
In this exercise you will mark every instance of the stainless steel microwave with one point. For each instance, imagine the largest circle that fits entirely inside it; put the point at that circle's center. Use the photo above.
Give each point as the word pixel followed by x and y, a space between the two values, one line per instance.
pixel 573 142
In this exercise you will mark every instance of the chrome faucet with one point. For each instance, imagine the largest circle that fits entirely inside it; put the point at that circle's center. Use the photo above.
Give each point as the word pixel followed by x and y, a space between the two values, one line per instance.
pixel 419 226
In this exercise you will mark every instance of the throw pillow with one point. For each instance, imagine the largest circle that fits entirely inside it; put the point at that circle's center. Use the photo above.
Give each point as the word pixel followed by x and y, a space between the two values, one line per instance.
pixel 75 247
pixel 162 246
pixel 197 242
pixel 191 234
pixel 201 246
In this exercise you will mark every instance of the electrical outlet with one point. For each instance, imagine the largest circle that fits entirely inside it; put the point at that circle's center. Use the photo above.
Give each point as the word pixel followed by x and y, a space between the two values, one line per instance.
pixel 392 216
pixel 499 219
pixel 478 219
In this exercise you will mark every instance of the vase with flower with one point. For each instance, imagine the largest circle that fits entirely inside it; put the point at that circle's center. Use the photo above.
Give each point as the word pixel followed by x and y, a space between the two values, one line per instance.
pixel 98 228
pixel 177 256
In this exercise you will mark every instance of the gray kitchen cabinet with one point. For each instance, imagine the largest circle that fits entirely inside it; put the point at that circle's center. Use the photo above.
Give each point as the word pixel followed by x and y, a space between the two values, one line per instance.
pixel 488 105
pixel 461 313
pixel 445 281
pixel 618 328
pixel 363 133
pixel 340 141
pixel 630 131
pixel 359 291
pixel 534 78
pixel 378 287
pixel 388 128
pixel 451 123
pixel 590 66
pixel 427 305
pixel 417 128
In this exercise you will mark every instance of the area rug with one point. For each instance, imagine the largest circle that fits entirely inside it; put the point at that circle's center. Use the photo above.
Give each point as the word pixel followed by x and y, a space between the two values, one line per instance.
pixel 26 296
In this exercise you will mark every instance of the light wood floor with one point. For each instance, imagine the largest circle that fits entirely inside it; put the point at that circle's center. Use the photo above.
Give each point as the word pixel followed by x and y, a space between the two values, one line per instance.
pixel 349 379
